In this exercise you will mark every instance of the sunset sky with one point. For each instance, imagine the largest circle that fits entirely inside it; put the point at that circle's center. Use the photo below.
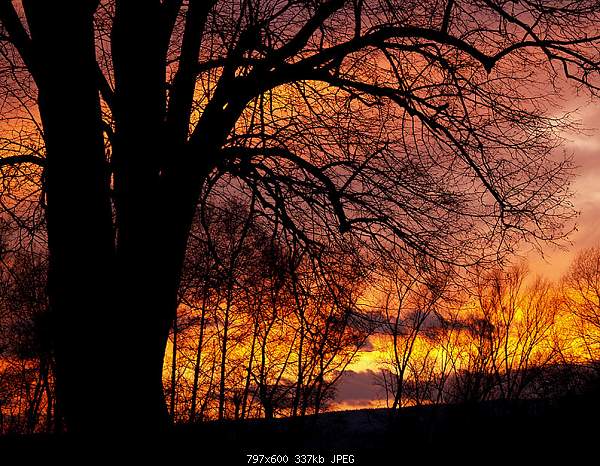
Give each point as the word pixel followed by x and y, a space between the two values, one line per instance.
pixel 585 148
pixel 269 209
pixel 359 387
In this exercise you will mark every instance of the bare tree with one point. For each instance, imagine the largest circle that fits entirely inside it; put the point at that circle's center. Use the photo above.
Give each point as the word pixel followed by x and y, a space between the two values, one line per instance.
pixel 410 298
pixel 284 318
pixel 502 338
pixel 522 318
pixel 581 290
pixel 27 398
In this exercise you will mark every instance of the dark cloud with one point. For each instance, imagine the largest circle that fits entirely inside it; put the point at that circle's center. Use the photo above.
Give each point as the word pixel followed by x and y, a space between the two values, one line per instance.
pixel 368 346
pixel 358 388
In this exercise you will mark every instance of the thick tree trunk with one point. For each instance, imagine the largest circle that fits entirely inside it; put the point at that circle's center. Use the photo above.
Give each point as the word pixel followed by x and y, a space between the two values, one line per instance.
pixel 112 302
pixel 112 281
pixel 149 247
pixel 78 210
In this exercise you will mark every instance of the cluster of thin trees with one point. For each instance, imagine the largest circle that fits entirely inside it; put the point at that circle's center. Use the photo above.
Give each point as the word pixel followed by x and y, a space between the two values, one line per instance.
pixel 26 364
pixel 509 336
pixel 267 327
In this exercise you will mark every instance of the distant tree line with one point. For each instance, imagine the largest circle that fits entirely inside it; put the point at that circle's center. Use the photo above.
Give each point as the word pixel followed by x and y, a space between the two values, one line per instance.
pixel 510 335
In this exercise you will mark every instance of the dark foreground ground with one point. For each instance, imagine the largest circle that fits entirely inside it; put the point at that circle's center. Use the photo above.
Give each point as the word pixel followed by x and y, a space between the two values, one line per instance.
pixel 525 432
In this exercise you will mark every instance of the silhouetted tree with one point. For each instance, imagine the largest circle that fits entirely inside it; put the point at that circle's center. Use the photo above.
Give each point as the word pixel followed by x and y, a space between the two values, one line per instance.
pixel 581 290
pixel 501 339
pixel 409 298
pixel 27 399
pixel 404 122
pixel 330 324
pixel 284 318
pixel 522 318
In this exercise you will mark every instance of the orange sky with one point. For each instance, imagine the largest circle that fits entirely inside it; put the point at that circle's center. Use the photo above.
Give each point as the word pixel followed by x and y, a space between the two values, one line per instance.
pixel 358 388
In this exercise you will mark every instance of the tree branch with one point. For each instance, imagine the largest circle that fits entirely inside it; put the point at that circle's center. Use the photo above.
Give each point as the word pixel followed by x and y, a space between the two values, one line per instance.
pixel 331 189
pixel 324 11
pixel 17 34
pixel 18 159
pixel 106 91
pixel 447 16
pixel 182 91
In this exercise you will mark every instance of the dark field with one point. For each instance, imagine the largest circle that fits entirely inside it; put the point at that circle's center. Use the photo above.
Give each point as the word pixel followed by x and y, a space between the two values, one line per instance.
pixel 485 433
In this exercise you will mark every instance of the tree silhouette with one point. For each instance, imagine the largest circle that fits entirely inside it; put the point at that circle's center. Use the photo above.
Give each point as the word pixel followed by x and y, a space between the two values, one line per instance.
pixel 285 320
pixel 419 124
pixel 581 289
pixel 410 298
pixel 26 385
